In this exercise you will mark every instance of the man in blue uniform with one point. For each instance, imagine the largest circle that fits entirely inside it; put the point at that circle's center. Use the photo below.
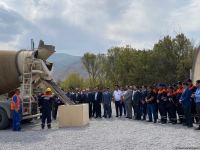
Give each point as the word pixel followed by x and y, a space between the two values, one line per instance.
pixel 46 104
pixel 192 100
pixel 185 101
pixel 197 101
pixel 16 111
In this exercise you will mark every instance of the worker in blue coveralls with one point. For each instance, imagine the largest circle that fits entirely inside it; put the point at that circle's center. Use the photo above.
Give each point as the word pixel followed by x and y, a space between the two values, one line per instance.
pixel 16 111
pixel 46 106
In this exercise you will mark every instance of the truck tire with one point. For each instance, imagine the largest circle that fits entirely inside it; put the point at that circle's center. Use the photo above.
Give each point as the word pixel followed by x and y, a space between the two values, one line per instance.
pixel 4 121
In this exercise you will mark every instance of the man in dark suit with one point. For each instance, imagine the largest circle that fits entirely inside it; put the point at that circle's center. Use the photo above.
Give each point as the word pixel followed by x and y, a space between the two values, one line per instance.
pixel 136 103
pixel 97 103
pixel 91 102
pixel 84 97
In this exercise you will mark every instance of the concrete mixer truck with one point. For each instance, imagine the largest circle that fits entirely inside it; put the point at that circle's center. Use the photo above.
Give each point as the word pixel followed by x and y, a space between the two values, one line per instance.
pixel 28 70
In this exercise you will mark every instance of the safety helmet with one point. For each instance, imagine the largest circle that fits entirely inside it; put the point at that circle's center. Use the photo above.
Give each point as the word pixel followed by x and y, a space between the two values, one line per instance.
pixel 48 90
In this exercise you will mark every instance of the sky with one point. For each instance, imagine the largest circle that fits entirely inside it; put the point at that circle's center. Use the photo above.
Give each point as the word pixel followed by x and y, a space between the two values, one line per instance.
pixel 79 26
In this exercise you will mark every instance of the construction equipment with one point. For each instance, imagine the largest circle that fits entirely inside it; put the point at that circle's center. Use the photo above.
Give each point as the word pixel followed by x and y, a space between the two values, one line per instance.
pixel 28 70
pixel 195 73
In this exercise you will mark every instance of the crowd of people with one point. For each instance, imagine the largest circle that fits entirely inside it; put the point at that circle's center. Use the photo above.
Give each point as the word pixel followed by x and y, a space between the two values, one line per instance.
pixel 178 103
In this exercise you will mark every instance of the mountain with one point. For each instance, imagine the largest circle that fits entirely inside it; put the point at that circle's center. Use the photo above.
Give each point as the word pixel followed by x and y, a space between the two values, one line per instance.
pixel 64 64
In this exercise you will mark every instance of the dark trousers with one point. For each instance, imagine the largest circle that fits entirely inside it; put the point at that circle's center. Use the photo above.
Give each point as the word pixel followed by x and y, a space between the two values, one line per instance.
pixel 151 109
pixel 97 109
pixel 179 110
pixel 54 112
pixel 122 108
pixel 195 117
pixel 90 109
pixel 172 112
pixel 198 111
pixel 143 109
pixel 187 114
pixel 16 121
pixel 46 115
pixel 94 109
pixel 107 110
pixel 163 111
pixel 117 107
pixel 137 112
pixel 129 109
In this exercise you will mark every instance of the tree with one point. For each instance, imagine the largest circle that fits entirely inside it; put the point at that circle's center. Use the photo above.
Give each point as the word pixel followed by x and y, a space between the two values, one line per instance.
pixel 91 64
pixel 184 54
pixel 73 80
pixel 169 61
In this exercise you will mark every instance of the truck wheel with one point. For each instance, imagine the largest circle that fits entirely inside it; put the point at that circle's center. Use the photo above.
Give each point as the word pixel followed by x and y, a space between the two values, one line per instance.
pixel 4 121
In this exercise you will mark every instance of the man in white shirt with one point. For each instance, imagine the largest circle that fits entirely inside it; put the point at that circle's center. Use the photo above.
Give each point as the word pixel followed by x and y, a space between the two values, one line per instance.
pixel 117 95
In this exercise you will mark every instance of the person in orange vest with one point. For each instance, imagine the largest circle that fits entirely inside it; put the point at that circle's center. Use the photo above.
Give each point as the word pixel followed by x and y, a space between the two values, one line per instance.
pixel 179 107
pixel 162 102
pixel 15 109
pixel 171 105
pixel 192 100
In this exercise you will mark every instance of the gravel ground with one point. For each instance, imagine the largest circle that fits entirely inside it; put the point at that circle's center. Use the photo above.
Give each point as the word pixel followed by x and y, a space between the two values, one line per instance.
pixel 102 134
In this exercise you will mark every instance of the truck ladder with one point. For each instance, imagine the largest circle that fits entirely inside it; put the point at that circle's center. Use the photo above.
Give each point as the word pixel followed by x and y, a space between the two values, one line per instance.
pixel 27 85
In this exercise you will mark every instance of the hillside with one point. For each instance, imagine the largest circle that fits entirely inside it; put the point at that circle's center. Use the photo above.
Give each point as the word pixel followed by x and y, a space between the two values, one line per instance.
pixel 65 64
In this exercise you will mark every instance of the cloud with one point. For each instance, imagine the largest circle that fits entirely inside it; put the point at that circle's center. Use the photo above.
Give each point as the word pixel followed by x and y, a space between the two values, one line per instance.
pixel 12 27
pixel 78 26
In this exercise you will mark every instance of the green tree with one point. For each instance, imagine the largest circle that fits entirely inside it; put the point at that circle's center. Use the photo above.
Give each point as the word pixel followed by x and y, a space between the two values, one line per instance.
pixel 91 64
pixel 73 80
pixel 170 60
pixel 184 50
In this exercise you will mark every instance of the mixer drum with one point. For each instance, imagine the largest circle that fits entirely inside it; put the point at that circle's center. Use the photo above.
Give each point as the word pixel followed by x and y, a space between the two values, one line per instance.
pixel 9 75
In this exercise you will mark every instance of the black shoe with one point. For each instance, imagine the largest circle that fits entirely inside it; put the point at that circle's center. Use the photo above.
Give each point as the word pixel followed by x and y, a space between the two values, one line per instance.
pixel 149 121
pixel 190 126
pixel 197 128
pixel 180 122
pixel 42 126
pixel 117 116
pixel 159 121
pixel 49 126
pixel 170 121
pixel 155 121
